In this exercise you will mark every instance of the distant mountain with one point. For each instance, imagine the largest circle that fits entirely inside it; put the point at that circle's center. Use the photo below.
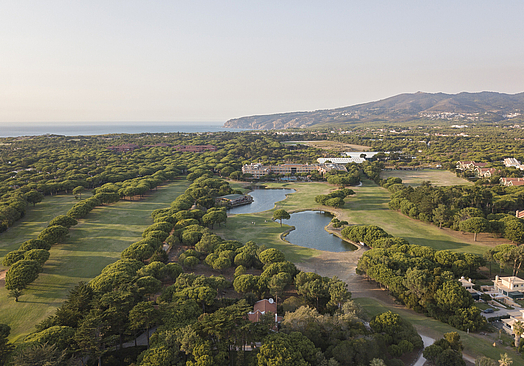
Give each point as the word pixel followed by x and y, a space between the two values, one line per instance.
pixel 484 106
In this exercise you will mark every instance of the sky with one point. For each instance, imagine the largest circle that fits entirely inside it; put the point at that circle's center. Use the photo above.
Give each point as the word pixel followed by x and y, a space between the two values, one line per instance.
pixel 187 61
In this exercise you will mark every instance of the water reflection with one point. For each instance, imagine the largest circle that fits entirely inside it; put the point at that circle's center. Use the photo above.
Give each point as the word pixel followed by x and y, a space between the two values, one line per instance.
pixel 264 199
pixel 310 233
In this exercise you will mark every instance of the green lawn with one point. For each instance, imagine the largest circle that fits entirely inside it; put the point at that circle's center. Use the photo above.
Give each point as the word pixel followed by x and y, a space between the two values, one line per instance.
pixel 370 206
pixel 94 243
pixel 414 178
pixel 475 345
pixel 265 231
pixel 36 219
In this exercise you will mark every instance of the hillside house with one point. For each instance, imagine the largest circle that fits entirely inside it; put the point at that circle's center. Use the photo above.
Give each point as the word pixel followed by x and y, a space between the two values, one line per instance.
pixel 468 285
pixel 470 165
pixel 511 286
pixel 511 182
pixel 507 324
pixel 486 172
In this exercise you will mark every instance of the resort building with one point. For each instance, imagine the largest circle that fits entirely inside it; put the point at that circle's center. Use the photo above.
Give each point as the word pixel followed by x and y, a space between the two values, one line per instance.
pixel 486 172
pixel 479 169
pixel 293 168
pixel 512 162
pixel 357 160
pixel 466 283
pixel 258 170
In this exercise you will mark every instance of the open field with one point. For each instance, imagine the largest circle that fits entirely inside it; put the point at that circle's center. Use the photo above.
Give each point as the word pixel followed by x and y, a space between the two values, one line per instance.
pixel 94 243
pixel 416 177
pixel 36 219
pixel 475 345
pixel 331 145
pixel 370 206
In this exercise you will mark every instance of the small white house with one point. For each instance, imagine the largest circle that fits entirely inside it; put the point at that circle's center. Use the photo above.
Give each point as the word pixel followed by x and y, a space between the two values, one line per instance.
pixel 466 283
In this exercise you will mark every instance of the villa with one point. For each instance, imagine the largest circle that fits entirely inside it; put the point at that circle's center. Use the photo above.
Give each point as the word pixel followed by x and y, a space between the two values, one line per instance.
pixel 511 286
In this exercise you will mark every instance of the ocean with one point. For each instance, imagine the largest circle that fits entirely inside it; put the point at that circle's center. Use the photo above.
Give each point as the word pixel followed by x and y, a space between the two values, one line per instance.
pixel 85 128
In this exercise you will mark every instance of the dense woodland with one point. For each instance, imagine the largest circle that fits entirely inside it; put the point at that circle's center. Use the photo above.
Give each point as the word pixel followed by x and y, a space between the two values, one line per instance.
pixel 202 320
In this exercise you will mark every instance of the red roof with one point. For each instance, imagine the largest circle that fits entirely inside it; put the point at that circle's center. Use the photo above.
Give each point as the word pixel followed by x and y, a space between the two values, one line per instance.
pixel 265 305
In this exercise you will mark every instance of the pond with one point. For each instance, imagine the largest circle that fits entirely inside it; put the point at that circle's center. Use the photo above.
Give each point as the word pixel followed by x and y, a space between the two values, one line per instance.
pixel 264 199
pixel 310 233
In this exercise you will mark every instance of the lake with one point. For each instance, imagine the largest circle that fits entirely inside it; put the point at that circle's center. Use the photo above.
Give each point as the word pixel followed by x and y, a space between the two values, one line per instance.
pixel 264 199
pixel 310 233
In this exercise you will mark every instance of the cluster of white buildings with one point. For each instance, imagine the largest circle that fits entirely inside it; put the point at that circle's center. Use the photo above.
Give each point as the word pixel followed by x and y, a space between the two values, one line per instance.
pixel 350 157
pixel 512 162
pixel 505 290
pixel 258 170
pixel 479 169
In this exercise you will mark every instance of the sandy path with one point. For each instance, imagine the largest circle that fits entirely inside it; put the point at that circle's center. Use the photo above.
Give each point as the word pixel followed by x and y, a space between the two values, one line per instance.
pixel 2 278
pixel 329 264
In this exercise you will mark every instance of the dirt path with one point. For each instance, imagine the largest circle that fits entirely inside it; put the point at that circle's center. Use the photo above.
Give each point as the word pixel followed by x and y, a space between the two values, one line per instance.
pixel 2 278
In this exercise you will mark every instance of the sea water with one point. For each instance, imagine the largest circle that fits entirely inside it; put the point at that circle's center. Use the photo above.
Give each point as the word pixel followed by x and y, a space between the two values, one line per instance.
pixel 86 128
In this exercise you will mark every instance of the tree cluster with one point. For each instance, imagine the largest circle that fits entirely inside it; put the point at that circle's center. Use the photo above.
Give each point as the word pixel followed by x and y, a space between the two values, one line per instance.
pixel 335 198
pixel 425 280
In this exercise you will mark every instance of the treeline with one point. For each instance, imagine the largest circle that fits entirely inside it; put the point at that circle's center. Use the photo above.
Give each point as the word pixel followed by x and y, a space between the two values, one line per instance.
pixel 335 198
pixel 13 207
pixel 443 145
pixel 27 262
pixel 420 277
pixel 473 209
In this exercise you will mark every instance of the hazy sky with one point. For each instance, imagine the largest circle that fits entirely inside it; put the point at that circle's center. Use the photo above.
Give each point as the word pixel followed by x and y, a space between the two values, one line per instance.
pixel 214 60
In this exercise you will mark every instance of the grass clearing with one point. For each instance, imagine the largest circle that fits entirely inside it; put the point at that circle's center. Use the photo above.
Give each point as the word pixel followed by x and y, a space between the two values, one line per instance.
pixel 435 176
pixel 475 344
pixel 370 206
pixel 36 219
pixel 94 243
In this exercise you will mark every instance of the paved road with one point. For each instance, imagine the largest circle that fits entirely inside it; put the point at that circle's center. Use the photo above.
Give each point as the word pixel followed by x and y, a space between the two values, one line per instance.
pixel 427 342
